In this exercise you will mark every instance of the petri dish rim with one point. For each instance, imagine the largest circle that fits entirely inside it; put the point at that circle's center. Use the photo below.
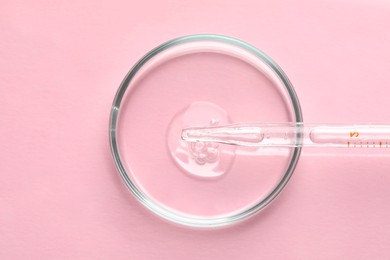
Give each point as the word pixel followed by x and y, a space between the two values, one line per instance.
pixel 162 212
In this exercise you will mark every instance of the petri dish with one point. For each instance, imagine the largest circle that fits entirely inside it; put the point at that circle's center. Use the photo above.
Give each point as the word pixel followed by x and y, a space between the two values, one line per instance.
pixel 197 81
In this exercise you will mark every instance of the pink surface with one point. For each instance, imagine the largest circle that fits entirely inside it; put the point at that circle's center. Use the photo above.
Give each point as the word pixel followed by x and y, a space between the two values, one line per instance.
pixel 61 63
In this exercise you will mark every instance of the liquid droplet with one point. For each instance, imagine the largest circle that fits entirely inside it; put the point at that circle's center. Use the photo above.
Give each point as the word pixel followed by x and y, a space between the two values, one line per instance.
pixel 200 159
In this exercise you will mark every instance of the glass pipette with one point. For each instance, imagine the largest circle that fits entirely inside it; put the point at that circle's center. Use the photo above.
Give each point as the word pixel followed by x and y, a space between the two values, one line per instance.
pixel 293 134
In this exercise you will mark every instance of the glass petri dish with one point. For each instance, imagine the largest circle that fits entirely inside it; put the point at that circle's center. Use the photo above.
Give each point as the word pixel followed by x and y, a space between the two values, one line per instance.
pixel 197 81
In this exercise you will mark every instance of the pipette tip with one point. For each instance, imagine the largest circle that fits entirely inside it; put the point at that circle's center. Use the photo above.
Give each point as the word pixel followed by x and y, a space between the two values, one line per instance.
pixel 233 135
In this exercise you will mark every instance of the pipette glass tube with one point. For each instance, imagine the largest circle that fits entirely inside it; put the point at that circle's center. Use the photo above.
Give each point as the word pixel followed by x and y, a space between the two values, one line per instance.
pixel 293 135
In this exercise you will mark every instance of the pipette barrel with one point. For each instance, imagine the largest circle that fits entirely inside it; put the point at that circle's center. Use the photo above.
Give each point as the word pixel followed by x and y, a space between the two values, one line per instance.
pixel 293 135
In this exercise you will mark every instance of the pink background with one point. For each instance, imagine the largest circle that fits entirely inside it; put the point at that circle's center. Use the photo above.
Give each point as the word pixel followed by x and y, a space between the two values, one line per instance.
pixel 60 66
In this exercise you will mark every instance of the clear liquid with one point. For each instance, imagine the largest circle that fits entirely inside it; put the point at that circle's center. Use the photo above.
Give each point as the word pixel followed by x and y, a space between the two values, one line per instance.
pixel 200 159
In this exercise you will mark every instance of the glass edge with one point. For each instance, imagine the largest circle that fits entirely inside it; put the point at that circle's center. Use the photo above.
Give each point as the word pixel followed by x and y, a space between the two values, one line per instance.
pixel 161 212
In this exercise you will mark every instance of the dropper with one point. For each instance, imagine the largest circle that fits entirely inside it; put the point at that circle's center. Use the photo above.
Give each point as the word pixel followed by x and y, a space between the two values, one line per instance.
pixel 291 134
